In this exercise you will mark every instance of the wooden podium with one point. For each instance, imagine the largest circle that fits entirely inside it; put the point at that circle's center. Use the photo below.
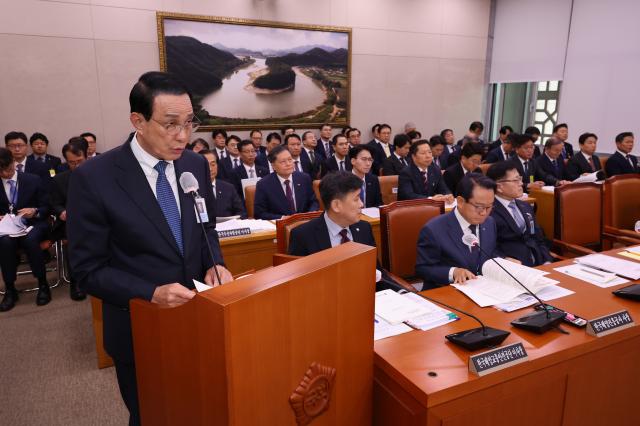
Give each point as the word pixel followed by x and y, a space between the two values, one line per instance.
pixel 284 346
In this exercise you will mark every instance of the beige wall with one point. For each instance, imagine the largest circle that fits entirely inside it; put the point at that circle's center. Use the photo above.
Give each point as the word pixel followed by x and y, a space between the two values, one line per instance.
pixel 68 66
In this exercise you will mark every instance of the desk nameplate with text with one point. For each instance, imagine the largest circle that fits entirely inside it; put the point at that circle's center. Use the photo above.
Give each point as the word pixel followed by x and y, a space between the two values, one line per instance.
pixel 497 359
pixel 608 324
pixel 234 232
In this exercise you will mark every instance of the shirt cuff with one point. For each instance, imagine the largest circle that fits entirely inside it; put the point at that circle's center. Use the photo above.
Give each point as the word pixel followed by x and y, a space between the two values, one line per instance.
pixel 451 274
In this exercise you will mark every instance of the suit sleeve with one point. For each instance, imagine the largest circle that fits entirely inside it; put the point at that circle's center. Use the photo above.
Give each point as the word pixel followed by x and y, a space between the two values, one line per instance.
pixel 261 203
pixel 428 259
pixel 388 168
pixel 449 181
pixel 57 200
pixel 377 198
pixel 573 171
pixel 612 167
pixel 405 186
pixel 441 187
pixel 89 240
pixel 297 247
pixel 541 174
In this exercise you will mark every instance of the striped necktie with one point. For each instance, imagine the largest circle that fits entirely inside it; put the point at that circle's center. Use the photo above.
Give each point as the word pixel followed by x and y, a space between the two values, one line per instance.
pixel 168 203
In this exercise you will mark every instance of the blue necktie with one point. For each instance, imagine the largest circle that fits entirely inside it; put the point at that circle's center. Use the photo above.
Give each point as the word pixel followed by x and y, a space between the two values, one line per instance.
pixel 517 216
pixel 13 196
pixel 168 204
pixel 363 188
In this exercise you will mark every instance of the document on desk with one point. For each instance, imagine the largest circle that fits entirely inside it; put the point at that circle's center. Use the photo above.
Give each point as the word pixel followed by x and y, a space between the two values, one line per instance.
pixel 591 177
pixel 548 188
pixel 383 329
pixel 624 268
pixel 592 276
pixel 373 212
pixel 395 308
pixel 634 249
pixel 495 286
pixel 436 316
pixel 253 224
pixel 522 301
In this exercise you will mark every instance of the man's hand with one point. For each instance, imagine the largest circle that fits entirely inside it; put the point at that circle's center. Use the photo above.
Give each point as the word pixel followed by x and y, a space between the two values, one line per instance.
pixel 27 212
pixel 448 198
pixel 173 294
pixel 460 275
pixel 63 216
pixel 212 280
pixel 562 182
pixel 535 185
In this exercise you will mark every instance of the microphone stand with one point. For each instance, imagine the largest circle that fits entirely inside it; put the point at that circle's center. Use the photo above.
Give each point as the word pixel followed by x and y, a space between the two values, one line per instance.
pixel 195 194
pixel 538 321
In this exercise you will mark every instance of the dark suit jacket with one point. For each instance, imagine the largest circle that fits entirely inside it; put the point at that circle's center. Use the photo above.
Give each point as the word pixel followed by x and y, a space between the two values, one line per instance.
pixel 271 201
pixel 534 170
pixel 228 202
pixel 411 185
pixel 618 165
pixel 331 165
pixel 444 157
pixel 59 188
pixel 225 169
pixel 567 152
pixel 51 162
pixel 440 248
pixel 321 151
pixel 312 169
pixel 579 165
pixel 495 144
pixel 261 160
pixel 240 173
pixel 545 164
pixel 378 156
pixel 529 247
pixel 496 155
pixel 453 175
pixel 373 196
pixel 120 243
pixel 313 236
pixel 391 166
pixel 37 168
pixel 31 194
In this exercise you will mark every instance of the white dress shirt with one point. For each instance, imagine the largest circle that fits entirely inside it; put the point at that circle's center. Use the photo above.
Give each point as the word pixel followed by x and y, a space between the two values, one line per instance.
pixel 334 231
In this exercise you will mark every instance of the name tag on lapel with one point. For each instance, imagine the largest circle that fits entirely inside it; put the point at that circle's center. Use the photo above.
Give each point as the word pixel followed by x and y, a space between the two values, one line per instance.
pixel 201 210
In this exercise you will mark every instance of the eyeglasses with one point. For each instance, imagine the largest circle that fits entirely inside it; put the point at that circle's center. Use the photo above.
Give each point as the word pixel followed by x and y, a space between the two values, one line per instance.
pixel 16 146
pixel 514 180
pixel 366 159
pixel 479 208
pixel 173 129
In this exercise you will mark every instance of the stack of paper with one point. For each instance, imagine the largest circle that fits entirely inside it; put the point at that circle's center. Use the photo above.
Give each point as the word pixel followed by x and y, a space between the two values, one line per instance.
pixel 522 301
pixel 591 177
pixel 253 224
pixel 383 329
pixel 373 212
pixel 590 275
pixel 434 317
pixel 12 226
pixel 602 262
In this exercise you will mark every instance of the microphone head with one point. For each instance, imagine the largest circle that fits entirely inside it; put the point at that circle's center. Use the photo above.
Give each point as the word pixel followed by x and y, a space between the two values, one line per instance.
pixel 189 183
pixel 637 226
pixel 470 240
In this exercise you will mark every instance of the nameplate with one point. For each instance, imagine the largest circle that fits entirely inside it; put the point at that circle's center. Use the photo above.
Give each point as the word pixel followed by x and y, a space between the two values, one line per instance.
pixel 608 324
pixel 234 232
pixel 497 359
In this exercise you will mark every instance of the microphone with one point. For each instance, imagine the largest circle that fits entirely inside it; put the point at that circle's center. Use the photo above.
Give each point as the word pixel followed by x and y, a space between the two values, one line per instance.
pixel 190 186
pixel 476 338
pixel 539 321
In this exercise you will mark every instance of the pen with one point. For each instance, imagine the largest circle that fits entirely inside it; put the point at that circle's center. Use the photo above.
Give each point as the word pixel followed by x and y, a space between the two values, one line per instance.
pixel 593 273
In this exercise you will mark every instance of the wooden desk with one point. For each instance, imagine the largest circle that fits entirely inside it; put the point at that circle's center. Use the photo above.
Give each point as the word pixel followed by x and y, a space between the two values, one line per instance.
pixel 545 213
pixel 573 379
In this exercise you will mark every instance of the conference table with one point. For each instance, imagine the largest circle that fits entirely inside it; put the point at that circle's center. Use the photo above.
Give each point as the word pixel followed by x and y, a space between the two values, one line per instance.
pixel 568 379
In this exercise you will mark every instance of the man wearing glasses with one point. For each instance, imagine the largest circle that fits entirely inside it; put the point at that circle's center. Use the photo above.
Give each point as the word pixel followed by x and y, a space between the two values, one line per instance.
pixel 518 232
pixel 132 231
pixel 361 157
pixel 443 257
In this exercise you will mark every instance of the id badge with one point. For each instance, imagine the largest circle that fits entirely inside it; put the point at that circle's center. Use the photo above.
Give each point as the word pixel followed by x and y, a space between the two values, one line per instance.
pixel 201 209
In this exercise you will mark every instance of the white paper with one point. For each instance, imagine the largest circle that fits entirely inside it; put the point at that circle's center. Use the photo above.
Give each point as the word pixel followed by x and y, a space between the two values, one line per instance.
pixel 373 212
pixel 221 219
pixel 548 188
pixel 200 287
pixel 591 177
pixel 625 268
pixel 634 249
pixel 253 224
pixel 436 316
pixel 522 301
pixel 382 329
pixel 395 308
pixel 577 271
pixel 12 225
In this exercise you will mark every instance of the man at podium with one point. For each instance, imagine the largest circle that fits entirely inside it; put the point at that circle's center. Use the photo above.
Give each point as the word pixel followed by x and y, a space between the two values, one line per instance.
pixel 132 231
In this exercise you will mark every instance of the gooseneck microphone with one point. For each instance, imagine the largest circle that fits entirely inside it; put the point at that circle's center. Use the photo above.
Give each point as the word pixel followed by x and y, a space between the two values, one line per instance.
pixel 189 185
pixel 539 321
pixel 476 338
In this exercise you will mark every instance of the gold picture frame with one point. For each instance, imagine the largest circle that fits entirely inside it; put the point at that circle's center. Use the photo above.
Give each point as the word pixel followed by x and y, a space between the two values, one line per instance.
pixel 287 75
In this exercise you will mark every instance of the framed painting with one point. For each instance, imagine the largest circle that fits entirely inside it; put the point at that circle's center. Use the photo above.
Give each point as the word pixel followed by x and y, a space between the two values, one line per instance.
pixel 247 74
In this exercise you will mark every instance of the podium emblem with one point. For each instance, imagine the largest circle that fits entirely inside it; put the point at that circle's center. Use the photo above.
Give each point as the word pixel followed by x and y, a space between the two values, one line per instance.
pixel 311 397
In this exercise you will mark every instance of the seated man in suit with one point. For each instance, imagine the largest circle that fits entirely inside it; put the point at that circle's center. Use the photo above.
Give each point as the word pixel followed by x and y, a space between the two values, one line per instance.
pixel 273 139
pixel 92 141
pixel 551 161
pixel 422 178
pixel 39 144
pixel 561 131
pixel 449 149
pixel 470 159
pixel 353 135
pixel 532 175
pixel 256 138
pixel 219 137
pixel 502 153
pixel 228 202
pixel 397 161
pixel 310 158
pixel 473 135
pixel 382 147
pixel 16 143
pixel 248 169
pixel 437 145
pixel 519 234
pixel 285 191
pixel 442 256
pixel 231 160
pixel 339 160
pixel 22 195
pixel 622 161
pixel 75 153
pixel 585 161
pixel 294 145
pixel 503 136
pixel 324 147
pixel 534 132
pixel 361 159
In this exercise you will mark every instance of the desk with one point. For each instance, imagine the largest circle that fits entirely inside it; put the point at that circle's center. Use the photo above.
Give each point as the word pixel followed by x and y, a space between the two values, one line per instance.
pixel 573 379
pixel 545 212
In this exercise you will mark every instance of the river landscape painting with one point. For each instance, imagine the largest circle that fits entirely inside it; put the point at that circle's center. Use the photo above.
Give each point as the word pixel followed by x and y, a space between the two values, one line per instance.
pixel 245 74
